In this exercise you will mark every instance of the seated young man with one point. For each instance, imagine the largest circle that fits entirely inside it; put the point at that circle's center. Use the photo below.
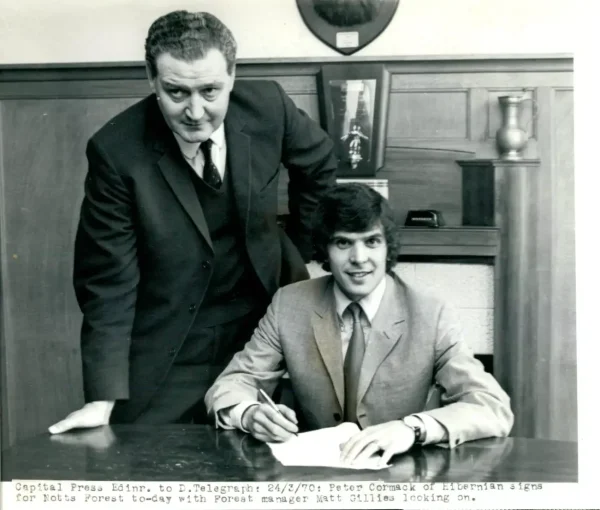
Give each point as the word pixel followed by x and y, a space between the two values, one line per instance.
pixel 360 345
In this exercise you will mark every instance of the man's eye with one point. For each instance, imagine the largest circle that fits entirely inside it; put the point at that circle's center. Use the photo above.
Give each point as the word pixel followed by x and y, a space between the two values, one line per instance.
pixel 210 93
pixel 342 243
pixel 176 93
pixel 374 241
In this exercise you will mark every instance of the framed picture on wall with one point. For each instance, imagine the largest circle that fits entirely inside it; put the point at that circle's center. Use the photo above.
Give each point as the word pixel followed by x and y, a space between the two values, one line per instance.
pixel 353 99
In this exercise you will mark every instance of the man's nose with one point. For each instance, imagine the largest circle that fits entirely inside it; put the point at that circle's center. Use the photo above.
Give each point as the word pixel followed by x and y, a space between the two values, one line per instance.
pixel 358 253
pixel 195 108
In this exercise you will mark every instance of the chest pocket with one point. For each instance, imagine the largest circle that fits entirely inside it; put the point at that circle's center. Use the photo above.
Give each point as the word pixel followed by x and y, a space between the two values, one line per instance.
pixel 270 182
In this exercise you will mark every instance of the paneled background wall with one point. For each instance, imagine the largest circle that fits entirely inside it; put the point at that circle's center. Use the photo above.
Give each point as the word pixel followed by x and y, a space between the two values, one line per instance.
pixel 440 111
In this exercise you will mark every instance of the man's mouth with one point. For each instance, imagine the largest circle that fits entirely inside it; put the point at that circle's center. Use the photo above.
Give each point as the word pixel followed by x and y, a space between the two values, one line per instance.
pixel 358 275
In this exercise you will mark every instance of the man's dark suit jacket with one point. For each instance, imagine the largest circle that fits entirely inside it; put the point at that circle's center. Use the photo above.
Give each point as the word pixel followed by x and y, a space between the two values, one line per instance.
pixel 143 255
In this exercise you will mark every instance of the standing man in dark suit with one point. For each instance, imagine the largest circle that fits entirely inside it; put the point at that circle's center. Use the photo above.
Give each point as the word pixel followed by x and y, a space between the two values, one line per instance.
pixel 178 251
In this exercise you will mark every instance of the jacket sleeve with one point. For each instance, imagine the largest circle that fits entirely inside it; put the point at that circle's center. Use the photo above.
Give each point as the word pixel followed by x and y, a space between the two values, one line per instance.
pixel 105 278
pixel 259 365
pixel 308 154
pixel 473 405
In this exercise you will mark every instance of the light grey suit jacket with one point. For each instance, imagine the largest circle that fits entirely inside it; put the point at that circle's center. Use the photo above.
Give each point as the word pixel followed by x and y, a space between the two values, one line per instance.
pixel 414 343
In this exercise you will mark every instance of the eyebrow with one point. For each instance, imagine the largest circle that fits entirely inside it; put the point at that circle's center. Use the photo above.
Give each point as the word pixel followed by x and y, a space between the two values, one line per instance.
pixel 214 84
pixel 337 237
pixel 378 235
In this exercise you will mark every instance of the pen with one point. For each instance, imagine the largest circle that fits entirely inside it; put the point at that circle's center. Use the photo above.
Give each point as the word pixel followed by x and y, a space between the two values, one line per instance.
pixel 268 400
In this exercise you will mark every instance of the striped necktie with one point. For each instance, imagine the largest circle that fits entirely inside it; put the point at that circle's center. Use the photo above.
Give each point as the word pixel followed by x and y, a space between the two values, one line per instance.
pixel 210 173
pixel 353 362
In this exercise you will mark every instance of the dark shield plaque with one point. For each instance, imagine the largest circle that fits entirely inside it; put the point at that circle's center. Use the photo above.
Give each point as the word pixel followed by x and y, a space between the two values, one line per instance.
pixel 347 25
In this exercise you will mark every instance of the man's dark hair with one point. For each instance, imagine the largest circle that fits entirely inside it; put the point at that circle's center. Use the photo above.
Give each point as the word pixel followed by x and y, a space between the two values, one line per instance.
pixel 353 208
pixel 188 36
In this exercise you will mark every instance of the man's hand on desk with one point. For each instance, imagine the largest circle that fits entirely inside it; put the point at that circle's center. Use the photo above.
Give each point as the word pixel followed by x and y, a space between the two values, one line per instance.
pixel 392 437
pixel 92 414
pixel 267 425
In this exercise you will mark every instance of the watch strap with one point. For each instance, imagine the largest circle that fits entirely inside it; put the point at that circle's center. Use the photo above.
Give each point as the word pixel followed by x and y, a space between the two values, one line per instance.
pixel 418 427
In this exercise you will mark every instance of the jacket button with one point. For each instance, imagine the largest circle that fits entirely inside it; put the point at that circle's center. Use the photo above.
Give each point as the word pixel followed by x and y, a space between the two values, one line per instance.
pixel 205 264
pixel 172 352
pixel 337 416
pixel 192 308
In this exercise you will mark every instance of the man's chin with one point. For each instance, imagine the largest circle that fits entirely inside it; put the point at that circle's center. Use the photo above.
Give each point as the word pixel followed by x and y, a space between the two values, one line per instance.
pixel 355 292
pixel 195 135
pixel 196 139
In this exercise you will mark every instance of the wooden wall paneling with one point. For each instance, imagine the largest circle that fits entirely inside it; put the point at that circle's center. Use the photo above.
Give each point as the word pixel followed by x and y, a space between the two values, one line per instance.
pixel 304 95
pixel 509 80
pixel 478 114
pixel 431 64
pixel 564 351
pixel 84 89
pixel 5 325
pixel 293 84
pixel 461 242
pixel 423 183
pixel 463 120
pixel 43 171
pixel 428 113
pixel 488 65
pixel 557 303
pixel 541 319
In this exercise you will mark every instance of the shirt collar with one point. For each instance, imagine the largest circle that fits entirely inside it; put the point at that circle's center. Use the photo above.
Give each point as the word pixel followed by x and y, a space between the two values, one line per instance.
pixel 218 136
pixel 189 150
pixel 370 303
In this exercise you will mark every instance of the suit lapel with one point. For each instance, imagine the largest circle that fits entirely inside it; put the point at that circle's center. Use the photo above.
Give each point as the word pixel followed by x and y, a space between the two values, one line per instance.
pixel 239 162
pixel 180 181
pixel 389 326
pixel 174 169
pixel 327 337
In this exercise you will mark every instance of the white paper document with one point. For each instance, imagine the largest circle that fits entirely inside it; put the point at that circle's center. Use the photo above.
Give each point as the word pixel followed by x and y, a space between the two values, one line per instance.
pixel 321 448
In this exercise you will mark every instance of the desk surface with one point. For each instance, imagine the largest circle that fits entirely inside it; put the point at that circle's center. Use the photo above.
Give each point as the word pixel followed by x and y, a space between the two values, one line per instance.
pixel 201 453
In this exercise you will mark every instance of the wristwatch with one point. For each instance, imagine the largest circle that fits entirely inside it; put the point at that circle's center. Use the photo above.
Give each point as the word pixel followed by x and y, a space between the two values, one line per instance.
pixel 418 427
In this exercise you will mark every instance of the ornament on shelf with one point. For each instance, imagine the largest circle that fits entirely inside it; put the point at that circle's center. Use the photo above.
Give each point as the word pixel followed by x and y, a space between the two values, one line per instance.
pixel 511 138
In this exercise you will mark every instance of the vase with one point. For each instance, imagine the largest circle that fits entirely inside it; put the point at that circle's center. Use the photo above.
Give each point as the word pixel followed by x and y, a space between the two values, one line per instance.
pixel 511 139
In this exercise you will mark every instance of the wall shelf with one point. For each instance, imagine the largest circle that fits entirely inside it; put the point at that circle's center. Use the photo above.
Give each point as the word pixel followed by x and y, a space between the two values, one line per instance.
pixel 449 241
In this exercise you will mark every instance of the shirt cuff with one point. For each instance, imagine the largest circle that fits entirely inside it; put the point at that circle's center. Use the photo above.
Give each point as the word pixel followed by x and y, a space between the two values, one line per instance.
pixel 231 417
pixel 435 432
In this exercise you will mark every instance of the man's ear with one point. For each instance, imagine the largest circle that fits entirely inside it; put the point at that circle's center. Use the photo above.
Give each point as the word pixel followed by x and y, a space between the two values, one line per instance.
pixel 232 76
pixel 150 78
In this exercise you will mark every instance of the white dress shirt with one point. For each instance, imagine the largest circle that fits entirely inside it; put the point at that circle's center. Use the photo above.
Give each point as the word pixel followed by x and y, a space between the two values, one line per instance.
pixel 369 304
pixel 435 431
pixel 195 158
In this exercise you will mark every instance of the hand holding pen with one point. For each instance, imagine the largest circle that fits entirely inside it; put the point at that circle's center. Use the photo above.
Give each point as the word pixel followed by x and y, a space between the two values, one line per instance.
pixel 270 422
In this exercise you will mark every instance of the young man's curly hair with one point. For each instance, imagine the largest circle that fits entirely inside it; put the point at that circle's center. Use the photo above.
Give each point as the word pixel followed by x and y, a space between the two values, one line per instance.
pixel 353 207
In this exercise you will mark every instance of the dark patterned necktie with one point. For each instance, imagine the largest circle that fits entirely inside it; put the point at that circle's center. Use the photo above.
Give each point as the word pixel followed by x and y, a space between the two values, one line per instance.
pixel 353 362
pixel 210 172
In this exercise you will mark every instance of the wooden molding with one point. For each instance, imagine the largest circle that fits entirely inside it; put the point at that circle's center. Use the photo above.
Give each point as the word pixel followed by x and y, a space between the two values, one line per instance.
pixel 298 66
pixel 449 242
